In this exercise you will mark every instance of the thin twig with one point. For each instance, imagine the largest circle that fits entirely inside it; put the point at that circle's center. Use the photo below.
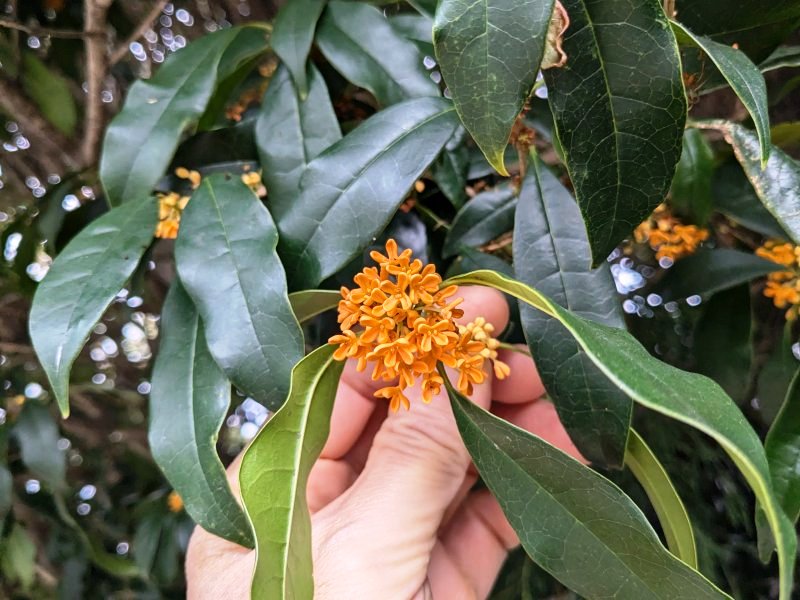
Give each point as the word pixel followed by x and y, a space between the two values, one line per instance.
pixel 56 33
pixel 146 24
pixel 94 18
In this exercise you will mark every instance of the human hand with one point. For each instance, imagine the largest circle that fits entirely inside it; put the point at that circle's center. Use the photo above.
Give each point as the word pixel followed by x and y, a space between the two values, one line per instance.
pixel 393 512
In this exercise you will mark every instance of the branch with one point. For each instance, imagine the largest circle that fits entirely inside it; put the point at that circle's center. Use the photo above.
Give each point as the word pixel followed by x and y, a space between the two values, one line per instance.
pixel 146 24
pixel 94 19
pixel 56 33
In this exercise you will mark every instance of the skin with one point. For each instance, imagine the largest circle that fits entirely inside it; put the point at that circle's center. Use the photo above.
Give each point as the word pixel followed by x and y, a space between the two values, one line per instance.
pixel 393 510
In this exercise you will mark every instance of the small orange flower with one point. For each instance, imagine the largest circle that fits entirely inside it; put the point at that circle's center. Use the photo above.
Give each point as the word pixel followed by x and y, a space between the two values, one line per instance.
pixel 783 286
pixel 401 321
pixel 174 502
pixel 668 237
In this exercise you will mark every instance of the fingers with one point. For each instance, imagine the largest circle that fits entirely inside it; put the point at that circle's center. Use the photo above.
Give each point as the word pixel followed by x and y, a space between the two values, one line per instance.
pixel 351 411
pixel 524 383
pixel 479 523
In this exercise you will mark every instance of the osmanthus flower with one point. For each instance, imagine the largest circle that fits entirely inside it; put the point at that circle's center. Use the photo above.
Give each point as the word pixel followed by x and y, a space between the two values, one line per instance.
pixel 668 236
pixel 401 322
pixel 783 286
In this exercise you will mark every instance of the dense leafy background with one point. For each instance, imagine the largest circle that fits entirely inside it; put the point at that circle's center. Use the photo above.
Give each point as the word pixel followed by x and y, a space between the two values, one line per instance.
pixel 85 511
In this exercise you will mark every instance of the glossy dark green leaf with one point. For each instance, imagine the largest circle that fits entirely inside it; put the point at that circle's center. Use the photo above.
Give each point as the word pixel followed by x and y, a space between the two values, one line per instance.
pixel 686 397
pixel 669 507
pixel 742 75
pixel 783 451
pixel 307 304
pixel 472 259
pixel 735 197
pixel 189 400
pixel 711 270
pixel 37 435
pixel 81 283
pixel 226 260
pixel 722 341
pixel 572 521
pixel 290 133
pixel 292 34
pixel 777 185
pixel 551 253
pixel 362 45
pixel 489 53
pixel 785 56
pixel 142 138
pixel 483 218
pixel 619 109
pixel 417 28
pixel 776 374
pixel 274 474
pixel 350 191
pixel 691 195
pixel 51 92
pixel 756 26
pixel 451 168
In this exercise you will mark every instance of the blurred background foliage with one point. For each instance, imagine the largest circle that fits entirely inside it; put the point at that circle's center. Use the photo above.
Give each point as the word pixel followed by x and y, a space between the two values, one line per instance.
pixel 86 513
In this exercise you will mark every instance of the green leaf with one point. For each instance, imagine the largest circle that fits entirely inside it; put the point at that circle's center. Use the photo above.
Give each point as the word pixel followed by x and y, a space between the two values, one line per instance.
pixel 350 191
pixel 189 400
pixel 783 451
pixel 451 168
pixel 483 218
pixel 736 199
pixel 489 53
pixel 672 515
pixel 50 91
pixel 471 259
pixel 364 47
pixel 619 110
pixel 142 138
pixel 417 28
pixel 6 491
pixel 712 270
pixel 292 34
pixel 551 252
pixel 290 133
pixel 18 557
pixel 37 435
pixel 307 304
pixel 691 195
pixel 722 341
pixel 686 397
pixel 573 522
pixel 226 260
pixel 775 376
pixel 742 75
pixel 274 474
pixel 81 283
pixel 785 56
pixel 777 185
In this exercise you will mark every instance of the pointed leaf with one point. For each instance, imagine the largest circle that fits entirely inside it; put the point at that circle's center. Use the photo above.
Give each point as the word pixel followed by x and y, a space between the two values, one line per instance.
pixel 81 283
pixel 350 191
pixel 619 109
pixel 551 252
pixel 686 397
pixel 362 45
pixel 226 260
pixel 777 185
pixel 489 53
pixel 712 270
pixel 785 56
pixel 37 435
pixel 142 138
pixel 486 217
pixel 189 400
pixel 572 521
pixel 292 34
pixel 783 451
pixel 290 133
pixel 672 515
pixel 307 304
pixel 274 474
pixel 742 75
pixel 690 195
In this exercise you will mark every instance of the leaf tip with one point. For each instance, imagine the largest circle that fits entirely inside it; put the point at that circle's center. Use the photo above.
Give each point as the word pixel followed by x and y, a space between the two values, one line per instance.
pixel 497 161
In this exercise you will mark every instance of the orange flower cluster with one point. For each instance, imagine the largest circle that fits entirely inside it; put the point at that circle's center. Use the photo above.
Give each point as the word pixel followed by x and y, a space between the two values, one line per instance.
pixel 668 237
pixel 171 204
pixel 400 321
pixel 174 502
pixel 783 286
